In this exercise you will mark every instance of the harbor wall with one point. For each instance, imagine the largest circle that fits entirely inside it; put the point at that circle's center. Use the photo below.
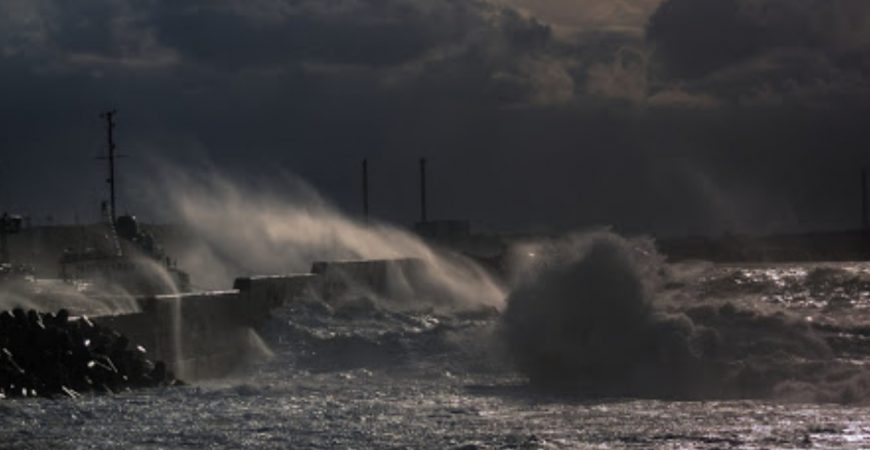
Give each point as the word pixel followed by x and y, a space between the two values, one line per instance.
pixel 198 335
pixel 205 335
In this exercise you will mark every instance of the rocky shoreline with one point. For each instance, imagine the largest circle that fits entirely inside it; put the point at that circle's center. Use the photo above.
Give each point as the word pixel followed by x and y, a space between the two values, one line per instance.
pixel 54 355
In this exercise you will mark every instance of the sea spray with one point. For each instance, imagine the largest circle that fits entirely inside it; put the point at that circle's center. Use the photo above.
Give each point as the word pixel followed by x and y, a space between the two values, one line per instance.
pixel 590 312
pixel 590 318
pixel 79 297
pixel 106 286
pixel 597 318
pixel 246 229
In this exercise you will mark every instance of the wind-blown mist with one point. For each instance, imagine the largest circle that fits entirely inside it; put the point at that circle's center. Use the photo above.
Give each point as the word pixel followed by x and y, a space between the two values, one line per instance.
pixel 596 313
pixel 100 294
pixel 596 317
pixel 52 295
pixel 283 227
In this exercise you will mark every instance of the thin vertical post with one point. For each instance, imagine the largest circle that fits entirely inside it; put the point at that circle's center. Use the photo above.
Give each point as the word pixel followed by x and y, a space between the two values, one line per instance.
pixel 365 187
pixel 865 208
pixel 110 141
pixel 8 225
pixel 4 244
pixel 423 217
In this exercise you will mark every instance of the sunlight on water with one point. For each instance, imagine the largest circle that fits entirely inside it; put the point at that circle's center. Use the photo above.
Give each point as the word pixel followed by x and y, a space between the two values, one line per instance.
pixel 364 374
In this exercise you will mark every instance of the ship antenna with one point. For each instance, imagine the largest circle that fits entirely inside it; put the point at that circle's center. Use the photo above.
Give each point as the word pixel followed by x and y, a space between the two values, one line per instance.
pixel 110 157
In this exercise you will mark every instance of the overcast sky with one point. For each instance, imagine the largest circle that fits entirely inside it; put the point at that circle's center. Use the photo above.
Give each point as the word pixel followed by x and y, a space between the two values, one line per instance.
pixel 663 116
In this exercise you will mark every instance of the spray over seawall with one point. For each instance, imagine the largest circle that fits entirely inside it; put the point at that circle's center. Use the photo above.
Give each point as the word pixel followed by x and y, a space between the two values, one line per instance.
pixel 52 295
pixel 96 293
pixel 247 229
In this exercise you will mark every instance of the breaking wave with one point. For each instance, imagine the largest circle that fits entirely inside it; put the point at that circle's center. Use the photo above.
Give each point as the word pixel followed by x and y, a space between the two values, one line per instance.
pixel 595 315
pixel 598 318
pixel 314 335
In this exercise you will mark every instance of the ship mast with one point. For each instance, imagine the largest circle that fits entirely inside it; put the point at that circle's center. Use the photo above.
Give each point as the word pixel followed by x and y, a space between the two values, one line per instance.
pixel 110 139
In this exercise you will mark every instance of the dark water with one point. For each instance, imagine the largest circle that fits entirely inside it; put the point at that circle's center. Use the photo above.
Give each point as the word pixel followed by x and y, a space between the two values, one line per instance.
pixel 785 369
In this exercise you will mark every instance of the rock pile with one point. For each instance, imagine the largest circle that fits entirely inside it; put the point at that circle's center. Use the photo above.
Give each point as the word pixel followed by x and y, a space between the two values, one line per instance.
pixel 49 355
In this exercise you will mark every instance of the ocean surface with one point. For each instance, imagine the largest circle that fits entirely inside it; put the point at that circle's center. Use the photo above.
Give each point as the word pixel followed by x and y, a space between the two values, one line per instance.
pixel 742 356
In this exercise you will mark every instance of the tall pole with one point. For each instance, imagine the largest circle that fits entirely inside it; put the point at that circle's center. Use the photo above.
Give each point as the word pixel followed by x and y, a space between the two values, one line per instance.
pixel 110 138
pixel 4 248
pixel 8 225
pixel 365 187
pixel 4 244
pixel 423 190
pixel 865 213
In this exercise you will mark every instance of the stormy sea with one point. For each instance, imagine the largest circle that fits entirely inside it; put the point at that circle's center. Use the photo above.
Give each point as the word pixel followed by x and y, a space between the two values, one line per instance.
pixel 599 344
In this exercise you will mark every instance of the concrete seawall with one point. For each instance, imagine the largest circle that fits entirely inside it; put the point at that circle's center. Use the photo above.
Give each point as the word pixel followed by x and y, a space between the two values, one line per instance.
pixel 207 334
pixel 195 334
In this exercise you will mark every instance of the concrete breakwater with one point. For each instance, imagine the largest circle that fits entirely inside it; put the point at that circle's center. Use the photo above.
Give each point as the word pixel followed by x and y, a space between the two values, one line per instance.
pixel 203 335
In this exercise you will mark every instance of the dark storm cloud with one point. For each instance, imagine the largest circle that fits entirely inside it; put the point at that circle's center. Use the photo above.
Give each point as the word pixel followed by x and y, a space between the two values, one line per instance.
pixel 375 33
pixel 724 114
pixel 765 50
pixel 320 81
pixel 698 36
pixel 695 37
